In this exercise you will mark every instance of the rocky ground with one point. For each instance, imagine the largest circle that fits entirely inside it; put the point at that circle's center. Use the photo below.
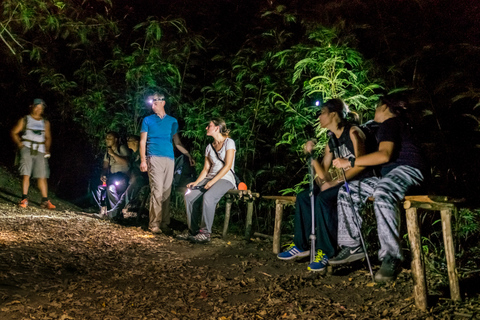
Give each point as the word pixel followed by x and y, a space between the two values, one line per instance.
pixel 65 264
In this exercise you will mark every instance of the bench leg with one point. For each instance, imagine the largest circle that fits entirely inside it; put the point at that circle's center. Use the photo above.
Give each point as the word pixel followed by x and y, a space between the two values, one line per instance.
pixel 418 271
pixel 228 208
pixel 248 224
pixel 277 228
pixel 450 254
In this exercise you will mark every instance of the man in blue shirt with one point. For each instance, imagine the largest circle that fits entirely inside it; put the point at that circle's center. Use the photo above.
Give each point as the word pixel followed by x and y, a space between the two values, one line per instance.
pixel 156 156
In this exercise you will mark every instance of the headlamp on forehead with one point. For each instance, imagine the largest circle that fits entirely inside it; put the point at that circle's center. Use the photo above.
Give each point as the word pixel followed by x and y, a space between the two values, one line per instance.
pixel 152 100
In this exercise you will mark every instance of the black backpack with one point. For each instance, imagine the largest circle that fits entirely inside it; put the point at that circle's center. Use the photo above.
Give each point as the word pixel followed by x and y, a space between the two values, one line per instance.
pixel 183 173
pixel 370 129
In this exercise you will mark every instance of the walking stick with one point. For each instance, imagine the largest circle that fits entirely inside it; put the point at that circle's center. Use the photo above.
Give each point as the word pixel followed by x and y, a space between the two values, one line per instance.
pixel 312 206
pixel 350 200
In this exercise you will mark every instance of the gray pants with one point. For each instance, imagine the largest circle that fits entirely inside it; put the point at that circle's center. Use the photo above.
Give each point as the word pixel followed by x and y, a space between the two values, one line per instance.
pixel 160 174
pixel 388 191
pixel 33 164
pixel 201 205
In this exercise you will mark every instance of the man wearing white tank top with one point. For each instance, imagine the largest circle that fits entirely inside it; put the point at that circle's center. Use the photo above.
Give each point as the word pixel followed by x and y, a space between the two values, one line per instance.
pixel 32 136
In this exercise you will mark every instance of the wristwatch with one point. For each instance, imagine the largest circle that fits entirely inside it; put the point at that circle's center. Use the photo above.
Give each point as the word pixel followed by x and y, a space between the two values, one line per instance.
pixel 352 161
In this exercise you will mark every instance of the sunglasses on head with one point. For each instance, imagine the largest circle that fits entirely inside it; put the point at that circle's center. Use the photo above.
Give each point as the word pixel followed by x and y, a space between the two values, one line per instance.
pixel 159 99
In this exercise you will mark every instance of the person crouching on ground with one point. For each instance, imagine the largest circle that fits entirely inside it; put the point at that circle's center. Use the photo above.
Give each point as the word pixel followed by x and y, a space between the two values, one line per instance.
pixel 34 151
pixel 351 144
pixel 114 176
pixel 401 168
pixel 216 178
pixel 137 179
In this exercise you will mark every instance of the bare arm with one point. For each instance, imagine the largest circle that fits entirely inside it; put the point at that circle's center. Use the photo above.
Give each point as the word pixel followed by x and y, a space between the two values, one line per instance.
pixel 121 159
pixel 143 150
pixel 321 171
pixel 382 156
pixel 178 144
pixel 202 175
pixel 358 140
pixel 16 131
pixel 48 137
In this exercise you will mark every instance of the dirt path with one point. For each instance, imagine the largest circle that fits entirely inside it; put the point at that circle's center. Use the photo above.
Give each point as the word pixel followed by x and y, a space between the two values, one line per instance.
pixel 63 265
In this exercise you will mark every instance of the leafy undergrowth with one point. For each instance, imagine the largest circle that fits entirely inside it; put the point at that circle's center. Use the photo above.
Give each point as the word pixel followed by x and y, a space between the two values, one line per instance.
pixel 68 265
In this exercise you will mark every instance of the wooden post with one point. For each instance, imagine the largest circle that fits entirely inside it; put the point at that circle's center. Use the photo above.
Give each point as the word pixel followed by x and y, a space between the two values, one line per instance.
pixel 228 208
pixel 450 254
pixel 418 271
pixel 248 223
pixel 278 224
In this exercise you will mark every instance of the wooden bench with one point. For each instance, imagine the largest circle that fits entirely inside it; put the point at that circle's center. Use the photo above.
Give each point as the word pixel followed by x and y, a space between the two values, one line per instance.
pixel 280 202
pixel 411 204
pixel 446 207
pixel 243 195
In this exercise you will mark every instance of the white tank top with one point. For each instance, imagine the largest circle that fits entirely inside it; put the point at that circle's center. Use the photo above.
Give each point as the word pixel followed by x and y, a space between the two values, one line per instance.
pixel 34 135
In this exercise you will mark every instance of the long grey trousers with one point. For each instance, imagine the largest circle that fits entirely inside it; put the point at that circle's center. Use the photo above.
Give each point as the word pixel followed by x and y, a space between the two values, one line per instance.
pixel 201 205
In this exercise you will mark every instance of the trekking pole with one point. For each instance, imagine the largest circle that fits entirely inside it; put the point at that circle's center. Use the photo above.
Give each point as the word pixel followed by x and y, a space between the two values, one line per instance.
pixel 350 200
pixel 312 206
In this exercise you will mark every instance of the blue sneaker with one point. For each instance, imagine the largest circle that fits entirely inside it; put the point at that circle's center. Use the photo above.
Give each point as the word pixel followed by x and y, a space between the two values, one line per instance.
pixel 319 263
pixel 293 252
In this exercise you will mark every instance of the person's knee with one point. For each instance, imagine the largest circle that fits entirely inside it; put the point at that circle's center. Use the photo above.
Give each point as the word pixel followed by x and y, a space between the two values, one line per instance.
pixel 210 199
pixel 384 195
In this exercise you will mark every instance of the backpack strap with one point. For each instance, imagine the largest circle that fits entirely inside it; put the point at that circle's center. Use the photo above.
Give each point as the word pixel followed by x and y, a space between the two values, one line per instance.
pixel 221 159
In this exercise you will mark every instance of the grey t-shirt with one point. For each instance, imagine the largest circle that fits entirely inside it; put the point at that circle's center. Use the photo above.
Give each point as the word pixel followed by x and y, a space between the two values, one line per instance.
pixel 217 165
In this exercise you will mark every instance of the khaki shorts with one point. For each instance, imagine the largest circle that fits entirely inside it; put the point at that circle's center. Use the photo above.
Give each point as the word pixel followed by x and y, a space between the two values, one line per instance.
pixel 33 164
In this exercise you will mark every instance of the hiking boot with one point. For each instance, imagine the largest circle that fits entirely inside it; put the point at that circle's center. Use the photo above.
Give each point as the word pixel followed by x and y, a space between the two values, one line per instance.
pixel 292 252
pixel 201 237
pixel 155 230
pixel 23 203
pixel 184 236
pixel 348 254
pixel 389 270
pixel 100 216
pixel 319 263
pixel 47 205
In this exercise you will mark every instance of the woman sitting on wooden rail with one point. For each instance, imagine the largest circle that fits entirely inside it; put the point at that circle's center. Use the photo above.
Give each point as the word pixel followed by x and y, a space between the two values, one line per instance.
pixel 216 178
pixel 351 144
pixel 401 168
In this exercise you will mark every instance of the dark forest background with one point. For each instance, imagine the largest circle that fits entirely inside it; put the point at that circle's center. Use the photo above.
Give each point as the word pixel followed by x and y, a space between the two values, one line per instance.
pixel 255 63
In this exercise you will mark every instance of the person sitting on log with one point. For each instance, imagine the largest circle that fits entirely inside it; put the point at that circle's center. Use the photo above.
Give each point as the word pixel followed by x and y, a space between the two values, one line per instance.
pixel 216 178
pixel 401 168
pixel 351 140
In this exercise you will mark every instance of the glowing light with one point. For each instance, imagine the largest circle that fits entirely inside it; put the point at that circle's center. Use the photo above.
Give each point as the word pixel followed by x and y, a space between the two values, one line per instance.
pixel 145 236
